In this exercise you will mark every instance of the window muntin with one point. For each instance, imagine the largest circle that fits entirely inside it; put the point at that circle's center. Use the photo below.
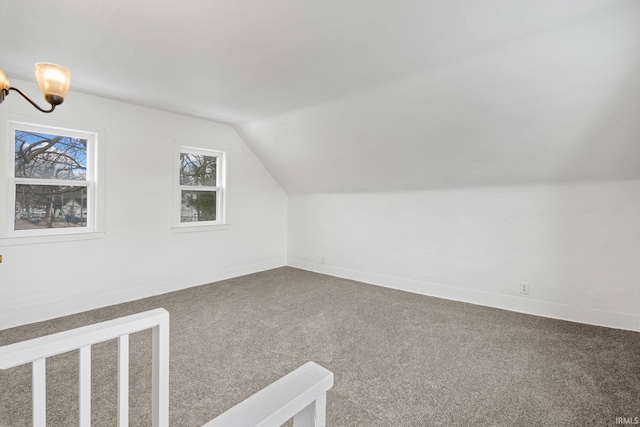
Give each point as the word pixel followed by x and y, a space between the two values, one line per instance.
pixel 200 191
pixel 53 181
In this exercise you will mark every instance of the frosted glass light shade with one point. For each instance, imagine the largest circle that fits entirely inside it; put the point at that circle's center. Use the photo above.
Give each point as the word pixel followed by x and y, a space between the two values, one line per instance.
pixel 53 81
pixel 4 82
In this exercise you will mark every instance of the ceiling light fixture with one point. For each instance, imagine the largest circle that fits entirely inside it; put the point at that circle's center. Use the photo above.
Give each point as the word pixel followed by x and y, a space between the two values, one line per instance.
pixel 53 81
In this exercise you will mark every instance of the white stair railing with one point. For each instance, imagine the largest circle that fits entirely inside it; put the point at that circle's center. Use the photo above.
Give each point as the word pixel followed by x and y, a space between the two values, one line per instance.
pixel 37 350
pixel 300 395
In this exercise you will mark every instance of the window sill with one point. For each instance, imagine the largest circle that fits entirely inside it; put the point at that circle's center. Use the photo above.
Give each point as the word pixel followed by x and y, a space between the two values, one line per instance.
pixel 52 238
pixel 198 228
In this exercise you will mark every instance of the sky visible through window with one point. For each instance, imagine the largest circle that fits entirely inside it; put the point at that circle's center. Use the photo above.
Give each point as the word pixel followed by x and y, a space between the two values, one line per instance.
pixel 47 156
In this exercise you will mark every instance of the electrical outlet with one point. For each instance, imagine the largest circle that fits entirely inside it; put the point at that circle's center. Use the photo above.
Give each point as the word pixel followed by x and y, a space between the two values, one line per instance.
pixel 524 288
pixel 321 260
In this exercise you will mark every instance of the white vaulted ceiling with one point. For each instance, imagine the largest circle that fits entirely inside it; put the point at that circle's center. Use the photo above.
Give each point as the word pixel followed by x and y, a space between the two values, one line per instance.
pixel 355 95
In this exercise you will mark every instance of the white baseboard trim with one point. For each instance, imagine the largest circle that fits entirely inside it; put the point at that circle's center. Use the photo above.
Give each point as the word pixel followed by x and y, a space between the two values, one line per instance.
pixel 548 309
pixel 72 307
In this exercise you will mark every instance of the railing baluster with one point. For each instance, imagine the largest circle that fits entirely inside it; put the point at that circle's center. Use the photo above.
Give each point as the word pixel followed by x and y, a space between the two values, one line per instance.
pixel 84 386
pixel 123 381
pixel 314 415
pixel 39 392
pixel 160 368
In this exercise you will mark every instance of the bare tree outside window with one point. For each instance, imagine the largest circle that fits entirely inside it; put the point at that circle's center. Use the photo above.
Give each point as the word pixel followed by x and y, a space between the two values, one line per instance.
pixel 51 181
pixel 200 172
pixel 39 155
pixel 196 169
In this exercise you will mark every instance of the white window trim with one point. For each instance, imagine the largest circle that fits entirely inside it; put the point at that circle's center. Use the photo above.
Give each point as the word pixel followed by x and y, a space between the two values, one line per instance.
pixel 94 183
pixel 221 200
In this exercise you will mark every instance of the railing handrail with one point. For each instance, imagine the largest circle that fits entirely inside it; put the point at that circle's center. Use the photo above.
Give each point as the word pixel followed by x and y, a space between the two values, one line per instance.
pixel 282 400
pixel 43 347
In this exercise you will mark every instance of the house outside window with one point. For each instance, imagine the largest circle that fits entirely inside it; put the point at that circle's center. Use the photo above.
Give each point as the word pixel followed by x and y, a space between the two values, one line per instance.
pixel 52 181
pixel 200 190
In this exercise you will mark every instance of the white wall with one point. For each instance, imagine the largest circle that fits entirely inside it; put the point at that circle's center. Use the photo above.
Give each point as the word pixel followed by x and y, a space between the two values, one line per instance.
pixel 139 255
pixel 578 245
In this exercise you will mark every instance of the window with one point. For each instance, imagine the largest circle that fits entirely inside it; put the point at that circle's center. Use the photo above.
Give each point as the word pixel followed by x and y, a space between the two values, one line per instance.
pixel 52 181
pixel 200 190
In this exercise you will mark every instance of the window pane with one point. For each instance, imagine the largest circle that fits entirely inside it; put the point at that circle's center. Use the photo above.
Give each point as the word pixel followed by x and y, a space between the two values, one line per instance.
pixel 50 206
pixel 42 155
pixel 198 206
pixel 196 169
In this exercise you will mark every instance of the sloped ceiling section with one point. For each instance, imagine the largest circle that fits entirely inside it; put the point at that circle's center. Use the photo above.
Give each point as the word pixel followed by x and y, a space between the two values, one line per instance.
pixel 367 95
pixel 559 105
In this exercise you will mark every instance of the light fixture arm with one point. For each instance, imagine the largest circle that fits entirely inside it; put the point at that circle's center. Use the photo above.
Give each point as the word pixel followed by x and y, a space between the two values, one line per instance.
pixel 53 107
pixel 53 81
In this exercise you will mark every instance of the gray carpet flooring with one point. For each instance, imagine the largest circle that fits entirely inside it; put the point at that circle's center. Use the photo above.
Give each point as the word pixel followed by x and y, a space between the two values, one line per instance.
pixel 399 359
